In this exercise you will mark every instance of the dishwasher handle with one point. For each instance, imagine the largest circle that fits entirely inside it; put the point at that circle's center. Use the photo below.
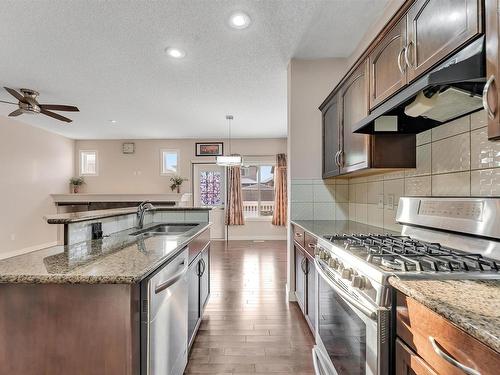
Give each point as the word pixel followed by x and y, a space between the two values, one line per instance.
pixel 171 281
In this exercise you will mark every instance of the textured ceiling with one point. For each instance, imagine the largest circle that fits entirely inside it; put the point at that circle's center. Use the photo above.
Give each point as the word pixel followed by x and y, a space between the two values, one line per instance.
pixel 107 57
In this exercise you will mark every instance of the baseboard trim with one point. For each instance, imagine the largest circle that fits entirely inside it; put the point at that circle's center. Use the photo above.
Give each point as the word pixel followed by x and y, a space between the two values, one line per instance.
pixel 257 238
pixel 26 250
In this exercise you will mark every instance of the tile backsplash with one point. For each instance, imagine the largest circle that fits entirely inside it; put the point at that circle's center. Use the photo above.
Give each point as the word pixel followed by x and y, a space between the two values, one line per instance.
pixel 454 159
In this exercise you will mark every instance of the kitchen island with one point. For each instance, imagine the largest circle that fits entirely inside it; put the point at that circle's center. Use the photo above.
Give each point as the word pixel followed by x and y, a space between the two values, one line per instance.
pixel 77 309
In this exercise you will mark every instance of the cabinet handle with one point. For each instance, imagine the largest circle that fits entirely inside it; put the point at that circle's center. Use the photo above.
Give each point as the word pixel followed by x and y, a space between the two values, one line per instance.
pixel 297 234
pixel 311 245
pixel 400 55
pixel 450 359
pixel 337 158
pixel 407 49
pixel 341 158
pixel 302 266
pixel 486 103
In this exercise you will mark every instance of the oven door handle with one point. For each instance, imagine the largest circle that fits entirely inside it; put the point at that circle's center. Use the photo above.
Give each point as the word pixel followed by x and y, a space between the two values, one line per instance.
pixel 370 313
pixel 319 365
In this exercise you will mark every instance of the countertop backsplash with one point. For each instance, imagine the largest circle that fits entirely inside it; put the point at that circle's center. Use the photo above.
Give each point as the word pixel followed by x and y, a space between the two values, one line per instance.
pixel 454 159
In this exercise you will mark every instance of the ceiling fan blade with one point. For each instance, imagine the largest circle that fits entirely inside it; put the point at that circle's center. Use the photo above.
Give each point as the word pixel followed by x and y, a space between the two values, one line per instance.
pixel 17 112
pixel 55 115
pixel 15 94
pixel 59 107
pixel 3 101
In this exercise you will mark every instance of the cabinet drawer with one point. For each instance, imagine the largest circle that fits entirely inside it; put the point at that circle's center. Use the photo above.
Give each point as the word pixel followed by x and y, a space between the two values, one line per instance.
pixel 408 363
pixel 310 242
pixel 418 326
pixel 298 235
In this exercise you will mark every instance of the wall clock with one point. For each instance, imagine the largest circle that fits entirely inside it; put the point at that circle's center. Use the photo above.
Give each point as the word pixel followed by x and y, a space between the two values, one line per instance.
pixel 128 148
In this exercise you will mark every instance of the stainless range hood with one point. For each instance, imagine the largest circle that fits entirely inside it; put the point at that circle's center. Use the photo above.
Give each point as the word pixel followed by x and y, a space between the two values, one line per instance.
pixel 451 90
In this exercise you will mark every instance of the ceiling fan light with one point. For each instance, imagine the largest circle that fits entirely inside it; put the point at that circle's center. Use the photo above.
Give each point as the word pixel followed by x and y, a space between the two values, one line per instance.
pixel 229 160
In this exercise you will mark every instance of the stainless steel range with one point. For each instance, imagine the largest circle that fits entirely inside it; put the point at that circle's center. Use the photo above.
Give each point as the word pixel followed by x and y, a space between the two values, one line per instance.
pixel 442 238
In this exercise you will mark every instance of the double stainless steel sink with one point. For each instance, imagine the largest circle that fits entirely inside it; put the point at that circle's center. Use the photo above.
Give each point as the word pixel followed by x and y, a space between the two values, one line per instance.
pixel 165 229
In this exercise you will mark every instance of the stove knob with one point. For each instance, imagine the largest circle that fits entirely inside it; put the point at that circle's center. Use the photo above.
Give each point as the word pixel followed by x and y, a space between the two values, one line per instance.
pixel 317 251
pixel 333 262
pixel 359 282
pixel 347 273
pixel 340 267
pixel 324 255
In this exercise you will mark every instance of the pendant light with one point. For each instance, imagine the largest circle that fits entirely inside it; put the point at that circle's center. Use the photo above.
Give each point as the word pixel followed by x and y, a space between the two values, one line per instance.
pixel 231 160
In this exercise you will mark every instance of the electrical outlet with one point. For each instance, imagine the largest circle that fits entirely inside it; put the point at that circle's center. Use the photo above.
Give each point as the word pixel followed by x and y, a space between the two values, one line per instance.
pixel 380 201
pixel 390 201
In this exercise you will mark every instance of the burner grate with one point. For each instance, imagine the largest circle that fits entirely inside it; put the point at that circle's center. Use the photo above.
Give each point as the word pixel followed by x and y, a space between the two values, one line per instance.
pixel 405 254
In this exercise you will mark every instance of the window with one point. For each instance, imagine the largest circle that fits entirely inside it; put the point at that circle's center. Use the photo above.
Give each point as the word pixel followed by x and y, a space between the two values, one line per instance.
pixel 257 187
pixel 88 163
pixel 169 162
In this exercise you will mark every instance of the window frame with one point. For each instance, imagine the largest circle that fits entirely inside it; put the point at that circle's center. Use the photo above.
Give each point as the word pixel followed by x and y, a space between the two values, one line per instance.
pixel 163 172
pixel 259 217
pixel 80 154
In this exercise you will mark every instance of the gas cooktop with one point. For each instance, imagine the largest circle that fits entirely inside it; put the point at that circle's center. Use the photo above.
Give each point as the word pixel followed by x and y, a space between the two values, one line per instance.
pixel 405 254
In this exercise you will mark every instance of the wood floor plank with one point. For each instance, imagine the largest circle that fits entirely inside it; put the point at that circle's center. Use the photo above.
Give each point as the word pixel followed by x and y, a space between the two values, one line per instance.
pixel 248 327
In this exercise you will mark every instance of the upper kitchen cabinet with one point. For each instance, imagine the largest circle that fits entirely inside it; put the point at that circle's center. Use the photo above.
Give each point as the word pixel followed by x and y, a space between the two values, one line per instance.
pixel 491 93
pixel 435 29
pixel 331 138
pixel 387 65
pixel 354 99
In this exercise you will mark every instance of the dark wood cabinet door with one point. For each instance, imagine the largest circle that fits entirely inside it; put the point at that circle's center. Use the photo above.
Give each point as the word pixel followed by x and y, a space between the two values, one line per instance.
pixel 409 363
pixel 492 92
pixel 204 278
pixel 436 28
pixel 387 65
pixel 331 131
pixel 194 313
pixel 354 98
pixel 300 278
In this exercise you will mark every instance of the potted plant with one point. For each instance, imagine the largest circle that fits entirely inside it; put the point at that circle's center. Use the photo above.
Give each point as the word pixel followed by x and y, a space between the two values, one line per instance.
pixel 75 183
pixel 176 183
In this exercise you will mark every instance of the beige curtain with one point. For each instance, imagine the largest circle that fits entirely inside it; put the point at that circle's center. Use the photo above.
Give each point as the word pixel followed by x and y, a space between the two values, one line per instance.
pixel 234 209
pixel 280 191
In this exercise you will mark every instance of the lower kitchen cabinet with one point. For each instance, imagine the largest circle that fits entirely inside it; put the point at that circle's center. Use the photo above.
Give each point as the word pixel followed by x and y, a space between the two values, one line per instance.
pixel 305 275
pixel 311 294
pixel 199 291
pixel 300 278
pixel 429 344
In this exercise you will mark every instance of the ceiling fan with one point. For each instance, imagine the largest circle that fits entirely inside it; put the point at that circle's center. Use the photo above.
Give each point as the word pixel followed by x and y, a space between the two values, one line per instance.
pixel 28 103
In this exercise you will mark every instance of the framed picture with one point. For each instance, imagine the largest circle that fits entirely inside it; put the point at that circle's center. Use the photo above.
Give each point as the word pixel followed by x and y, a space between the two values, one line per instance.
pixel 210 149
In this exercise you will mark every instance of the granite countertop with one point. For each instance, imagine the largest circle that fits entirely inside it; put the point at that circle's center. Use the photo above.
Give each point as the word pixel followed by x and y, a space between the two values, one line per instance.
pixel 473 306
pixel 115 197
pixel 322 228
pixel 75 217
pixel 118 259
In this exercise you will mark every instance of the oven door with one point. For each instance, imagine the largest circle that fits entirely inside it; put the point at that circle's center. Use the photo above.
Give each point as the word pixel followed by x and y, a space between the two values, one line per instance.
pixel 351 335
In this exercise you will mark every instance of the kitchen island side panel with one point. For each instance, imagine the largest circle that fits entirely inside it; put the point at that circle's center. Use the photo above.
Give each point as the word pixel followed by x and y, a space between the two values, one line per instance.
pixel 69 329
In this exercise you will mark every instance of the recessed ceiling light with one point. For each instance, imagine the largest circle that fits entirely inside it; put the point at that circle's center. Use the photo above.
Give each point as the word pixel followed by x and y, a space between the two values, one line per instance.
pixel 239 20
pixel 176 53
pixel 113 121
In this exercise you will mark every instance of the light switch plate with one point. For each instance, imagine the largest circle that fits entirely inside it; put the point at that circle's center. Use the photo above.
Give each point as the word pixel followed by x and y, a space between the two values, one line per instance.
pixel 380 201
pixel 390 201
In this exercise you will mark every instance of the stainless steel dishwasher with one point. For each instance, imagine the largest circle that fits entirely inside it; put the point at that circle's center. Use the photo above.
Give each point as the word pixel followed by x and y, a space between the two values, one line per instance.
pixel 164 318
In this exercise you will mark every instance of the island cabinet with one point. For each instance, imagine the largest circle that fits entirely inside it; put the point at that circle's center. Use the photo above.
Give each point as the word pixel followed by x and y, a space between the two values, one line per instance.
pixel 428 344
pixel 344 151
pixel 199 290
pixel 436 28
pixel 491 93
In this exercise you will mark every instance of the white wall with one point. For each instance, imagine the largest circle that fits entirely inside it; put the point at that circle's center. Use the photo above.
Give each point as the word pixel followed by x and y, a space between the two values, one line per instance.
pixel 140 172
pixel 33 164
pixel 309 83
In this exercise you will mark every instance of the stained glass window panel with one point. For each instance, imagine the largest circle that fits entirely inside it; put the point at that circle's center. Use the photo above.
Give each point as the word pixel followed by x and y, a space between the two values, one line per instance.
pixel 210 188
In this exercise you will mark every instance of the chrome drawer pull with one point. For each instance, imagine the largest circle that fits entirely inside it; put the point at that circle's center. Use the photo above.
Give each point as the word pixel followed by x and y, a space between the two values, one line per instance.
pixel 407 59
pixel 311 245
pixel 450 359
pixel 298 234
pixel 486 104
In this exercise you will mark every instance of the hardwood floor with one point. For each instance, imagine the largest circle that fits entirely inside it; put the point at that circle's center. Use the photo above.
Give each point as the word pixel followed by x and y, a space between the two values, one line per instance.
pixel 248 326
